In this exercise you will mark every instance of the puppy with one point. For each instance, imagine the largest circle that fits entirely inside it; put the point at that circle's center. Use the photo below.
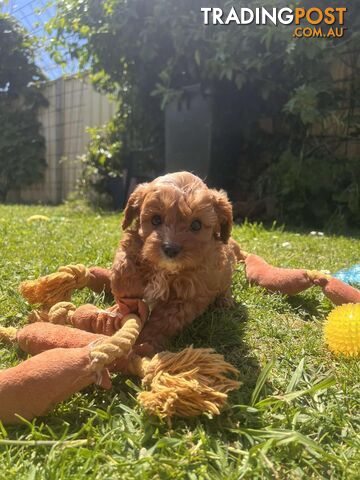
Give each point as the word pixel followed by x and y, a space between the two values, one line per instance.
pixel 176 253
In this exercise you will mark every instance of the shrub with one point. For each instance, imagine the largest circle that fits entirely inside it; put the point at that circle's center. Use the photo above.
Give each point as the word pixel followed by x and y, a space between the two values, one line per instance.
pixel 22 147
pixel 146 51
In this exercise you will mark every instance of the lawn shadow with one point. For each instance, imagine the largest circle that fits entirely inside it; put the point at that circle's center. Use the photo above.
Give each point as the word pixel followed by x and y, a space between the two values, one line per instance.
pixel 310 307
pixel 224 331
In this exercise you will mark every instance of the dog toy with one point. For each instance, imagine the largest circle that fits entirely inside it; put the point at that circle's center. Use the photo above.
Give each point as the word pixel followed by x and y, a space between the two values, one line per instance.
pixel 55 374
pixel 86 317
pixel 342 330
pixel 58 286
pixel 349 275
pixel 291 281
pixel 186 383
pixel 37 218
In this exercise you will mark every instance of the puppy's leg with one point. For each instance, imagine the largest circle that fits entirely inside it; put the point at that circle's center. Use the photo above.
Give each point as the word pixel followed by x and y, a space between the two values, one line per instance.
pixel 225 300
pixel 168 320
pixel 126 280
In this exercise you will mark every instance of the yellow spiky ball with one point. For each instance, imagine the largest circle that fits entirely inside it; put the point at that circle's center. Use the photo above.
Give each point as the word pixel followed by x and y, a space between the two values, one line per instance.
pixel 342 330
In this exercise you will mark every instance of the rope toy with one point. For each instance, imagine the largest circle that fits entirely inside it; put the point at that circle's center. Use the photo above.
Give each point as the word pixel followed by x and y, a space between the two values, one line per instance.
pixel 67 360
pixel 186 383
pixel 58 286
pixel 290 281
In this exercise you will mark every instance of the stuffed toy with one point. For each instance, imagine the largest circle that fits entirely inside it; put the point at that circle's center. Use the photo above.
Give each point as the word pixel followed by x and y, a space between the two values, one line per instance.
pixel 66 360
pixel 291 281
pixel 75 347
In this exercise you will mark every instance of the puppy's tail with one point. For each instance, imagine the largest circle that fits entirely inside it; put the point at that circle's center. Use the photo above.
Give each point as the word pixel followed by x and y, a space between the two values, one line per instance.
pixel 240 255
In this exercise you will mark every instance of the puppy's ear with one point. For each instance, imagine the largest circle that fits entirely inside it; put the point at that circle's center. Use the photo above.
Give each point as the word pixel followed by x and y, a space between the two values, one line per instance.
pixel 133 205
pixel 223 209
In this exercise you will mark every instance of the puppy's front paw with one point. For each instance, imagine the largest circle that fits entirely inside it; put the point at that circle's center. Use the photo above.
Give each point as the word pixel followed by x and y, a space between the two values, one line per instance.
pixel 224 301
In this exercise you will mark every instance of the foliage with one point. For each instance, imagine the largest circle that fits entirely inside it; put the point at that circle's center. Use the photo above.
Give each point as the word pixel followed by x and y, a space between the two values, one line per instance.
pixel 107 160
pixel 103 160
pixel 148 50
pixel 288 420
pixel 21 144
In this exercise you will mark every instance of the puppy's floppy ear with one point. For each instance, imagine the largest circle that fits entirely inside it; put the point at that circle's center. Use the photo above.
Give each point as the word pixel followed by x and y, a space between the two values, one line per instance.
pixel 133 205
pixel 223 210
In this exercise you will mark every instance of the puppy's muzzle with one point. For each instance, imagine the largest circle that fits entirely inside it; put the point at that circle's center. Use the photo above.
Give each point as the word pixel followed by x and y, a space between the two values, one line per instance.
pixel 171 250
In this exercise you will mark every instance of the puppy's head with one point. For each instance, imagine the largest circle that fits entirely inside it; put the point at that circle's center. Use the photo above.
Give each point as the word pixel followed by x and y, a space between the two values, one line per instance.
pixel 178 218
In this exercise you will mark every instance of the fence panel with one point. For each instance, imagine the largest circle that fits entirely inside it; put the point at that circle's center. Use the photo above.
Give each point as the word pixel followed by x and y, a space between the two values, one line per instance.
pixel 73 106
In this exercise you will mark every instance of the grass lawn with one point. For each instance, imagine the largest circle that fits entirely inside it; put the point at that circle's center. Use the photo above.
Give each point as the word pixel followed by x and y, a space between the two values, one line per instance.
pixel 296 416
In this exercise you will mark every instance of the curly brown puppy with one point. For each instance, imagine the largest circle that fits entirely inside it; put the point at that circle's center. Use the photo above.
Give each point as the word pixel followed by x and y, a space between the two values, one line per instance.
pixel 176 253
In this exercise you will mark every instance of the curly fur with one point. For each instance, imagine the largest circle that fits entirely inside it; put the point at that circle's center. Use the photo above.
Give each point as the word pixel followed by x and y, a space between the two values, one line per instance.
pixel 179 289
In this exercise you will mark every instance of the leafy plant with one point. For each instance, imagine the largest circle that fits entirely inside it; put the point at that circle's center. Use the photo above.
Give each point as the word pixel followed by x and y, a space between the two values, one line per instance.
pixel 22 146
pixel 147 51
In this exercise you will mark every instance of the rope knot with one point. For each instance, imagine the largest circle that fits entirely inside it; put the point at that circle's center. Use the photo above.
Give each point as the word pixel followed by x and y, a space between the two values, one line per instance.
pixel 61 313
pixel 56 287
pixel 318 278
pixel 80 274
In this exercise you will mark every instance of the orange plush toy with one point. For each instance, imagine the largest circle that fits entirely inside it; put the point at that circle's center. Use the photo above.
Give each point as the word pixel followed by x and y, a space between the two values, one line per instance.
pixel 68 359
pixel 291 281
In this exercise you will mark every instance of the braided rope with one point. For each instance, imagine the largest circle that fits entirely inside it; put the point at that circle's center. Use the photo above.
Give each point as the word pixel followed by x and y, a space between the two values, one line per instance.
pixel 80 273
pixel 186 383
pixel 59 314
pixel 8 334
pixel 316 275
pixel 56 287
pixel 119 345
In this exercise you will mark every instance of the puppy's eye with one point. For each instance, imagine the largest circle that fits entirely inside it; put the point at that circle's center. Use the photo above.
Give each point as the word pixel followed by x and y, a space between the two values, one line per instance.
pixel 195 225
pixel 156 220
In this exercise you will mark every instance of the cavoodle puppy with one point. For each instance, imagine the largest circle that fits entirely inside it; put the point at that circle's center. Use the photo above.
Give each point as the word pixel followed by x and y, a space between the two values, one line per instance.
pixel 176 253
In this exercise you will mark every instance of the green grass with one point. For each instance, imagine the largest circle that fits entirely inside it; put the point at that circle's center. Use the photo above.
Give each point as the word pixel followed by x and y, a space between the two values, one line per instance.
pixel 296 415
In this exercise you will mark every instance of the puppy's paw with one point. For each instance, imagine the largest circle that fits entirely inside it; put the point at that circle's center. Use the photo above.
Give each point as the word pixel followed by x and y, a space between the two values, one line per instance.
pixel 225 301
pixel 145 350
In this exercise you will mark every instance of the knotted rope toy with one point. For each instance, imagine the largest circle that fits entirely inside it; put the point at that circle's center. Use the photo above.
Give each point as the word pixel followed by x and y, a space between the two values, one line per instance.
pixel 186 383
pixel 342 326
pixel 291 281
pixel 287 281
pixel 58 286
pixel 69 359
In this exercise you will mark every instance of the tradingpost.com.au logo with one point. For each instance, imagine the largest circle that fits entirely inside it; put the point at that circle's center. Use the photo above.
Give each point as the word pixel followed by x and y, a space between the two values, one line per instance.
pixel 309 22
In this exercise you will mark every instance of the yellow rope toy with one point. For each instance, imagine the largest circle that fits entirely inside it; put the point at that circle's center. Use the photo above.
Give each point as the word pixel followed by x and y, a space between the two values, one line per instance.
pixel 187 383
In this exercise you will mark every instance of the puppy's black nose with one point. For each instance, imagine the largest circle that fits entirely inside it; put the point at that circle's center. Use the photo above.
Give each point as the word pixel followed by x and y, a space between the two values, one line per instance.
pixel 171 249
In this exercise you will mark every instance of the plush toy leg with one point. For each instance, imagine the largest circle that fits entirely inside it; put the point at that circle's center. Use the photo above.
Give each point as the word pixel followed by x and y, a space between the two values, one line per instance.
pixel 89 317
pixel 289 281
pixel 39 337
pixel 100 280
pixel 336 290
pixel 35 386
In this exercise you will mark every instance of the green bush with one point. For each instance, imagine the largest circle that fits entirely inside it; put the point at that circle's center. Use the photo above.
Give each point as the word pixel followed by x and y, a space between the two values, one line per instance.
pixel 22 147
pixel 104 153
pixel 146 51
